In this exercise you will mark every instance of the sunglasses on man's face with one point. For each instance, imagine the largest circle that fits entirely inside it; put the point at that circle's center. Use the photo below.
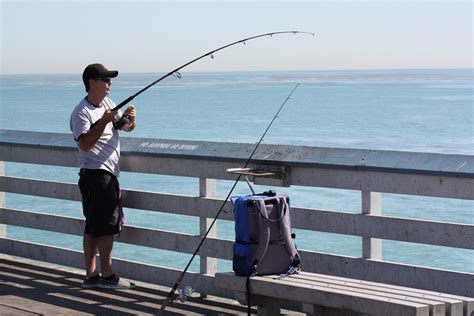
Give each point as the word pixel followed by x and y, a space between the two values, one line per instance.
pixel 106 80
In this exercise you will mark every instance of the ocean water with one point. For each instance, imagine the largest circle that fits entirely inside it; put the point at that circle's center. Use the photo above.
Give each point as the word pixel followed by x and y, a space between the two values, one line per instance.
pixel 407 110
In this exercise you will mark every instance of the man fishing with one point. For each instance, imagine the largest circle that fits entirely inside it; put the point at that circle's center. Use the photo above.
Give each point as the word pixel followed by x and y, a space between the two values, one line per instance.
pixel 94 123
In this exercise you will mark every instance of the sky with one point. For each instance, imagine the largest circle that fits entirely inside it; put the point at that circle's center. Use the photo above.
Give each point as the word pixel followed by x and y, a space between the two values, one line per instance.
pixel 42 37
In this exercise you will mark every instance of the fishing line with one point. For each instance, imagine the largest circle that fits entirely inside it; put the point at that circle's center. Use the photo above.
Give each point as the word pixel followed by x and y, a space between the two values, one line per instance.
pixel 176 73
pixel 181 276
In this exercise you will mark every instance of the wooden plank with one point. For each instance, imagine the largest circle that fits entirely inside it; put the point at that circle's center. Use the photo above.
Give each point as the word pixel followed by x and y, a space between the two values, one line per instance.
pixel 453 307
pixel 437 308
pixel 383 272
pixel 322 295
pixel 145 299
pixel 409 230
pixel 21 306
pixel 385 227
pixel 453 282
pixel 387 182
pixel 155 238
pixel 467 303
pixel 128 269
pixel 151 201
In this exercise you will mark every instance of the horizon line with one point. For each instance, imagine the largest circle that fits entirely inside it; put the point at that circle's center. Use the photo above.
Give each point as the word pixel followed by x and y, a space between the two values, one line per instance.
pixel 247 71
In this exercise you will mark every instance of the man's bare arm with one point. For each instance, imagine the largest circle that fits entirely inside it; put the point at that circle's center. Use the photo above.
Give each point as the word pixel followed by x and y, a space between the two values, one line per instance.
pixel 88 139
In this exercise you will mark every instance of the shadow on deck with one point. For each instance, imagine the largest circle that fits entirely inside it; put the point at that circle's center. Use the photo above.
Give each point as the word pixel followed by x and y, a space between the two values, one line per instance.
pixel 34 288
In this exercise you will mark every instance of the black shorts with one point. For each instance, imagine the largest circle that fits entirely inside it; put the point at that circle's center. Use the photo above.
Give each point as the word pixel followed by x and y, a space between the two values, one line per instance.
pixel 100 202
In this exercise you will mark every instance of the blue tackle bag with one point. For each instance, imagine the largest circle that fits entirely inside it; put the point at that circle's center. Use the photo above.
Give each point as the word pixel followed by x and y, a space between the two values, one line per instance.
pixel 263 239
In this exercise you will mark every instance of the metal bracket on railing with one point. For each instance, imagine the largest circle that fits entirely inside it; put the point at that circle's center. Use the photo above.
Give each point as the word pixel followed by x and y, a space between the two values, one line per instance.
pixel 266 175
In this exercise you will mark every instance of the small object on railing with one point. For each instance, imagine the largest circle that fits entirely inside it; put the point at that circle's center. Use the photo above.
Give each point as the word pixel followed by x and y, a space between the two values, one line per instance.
pixel 184 294
pixel 251 172
pixel 265 174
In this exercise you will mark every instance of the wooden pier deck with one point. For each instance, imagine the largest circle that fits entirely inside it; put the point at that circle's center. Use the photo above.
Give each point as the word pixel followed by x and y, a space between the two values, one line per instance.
pixel 35 288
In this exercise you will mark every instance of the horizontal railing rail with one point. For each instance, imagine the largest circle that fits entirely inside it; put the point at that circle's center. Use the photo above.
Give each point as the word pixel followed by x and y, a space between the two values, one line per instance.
pixel 383 227
pixel 438 175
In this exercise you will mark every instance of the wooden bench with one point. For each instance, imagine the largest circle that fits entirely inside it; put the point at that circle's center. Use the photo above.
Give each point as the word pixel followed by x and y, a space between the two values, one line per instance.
pixel 329 295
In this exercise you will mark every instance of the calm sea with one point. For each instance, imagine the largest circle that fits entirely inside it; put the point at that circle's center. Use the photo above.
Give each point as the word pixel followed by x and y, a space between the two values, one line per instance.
pixel 408 110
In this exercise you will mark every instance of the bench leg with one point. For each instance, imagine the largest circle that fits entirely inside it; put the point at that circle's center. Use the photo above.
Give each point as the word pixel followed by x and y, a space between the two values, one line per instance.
pixel 266 306
pixel 328 311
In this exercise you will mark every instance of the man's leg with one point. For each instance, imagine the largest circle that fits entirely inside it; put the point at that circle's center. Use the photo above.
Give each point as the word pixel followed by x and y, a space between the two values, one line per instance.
pixel 90 250
pixel 105 245
pixel 109 280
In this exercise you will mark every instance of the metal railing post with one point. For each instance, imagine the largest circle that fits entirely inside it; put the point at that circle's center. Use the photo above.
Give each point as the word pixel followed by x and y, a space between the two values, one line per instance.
pixel 371 205
pixel 207 189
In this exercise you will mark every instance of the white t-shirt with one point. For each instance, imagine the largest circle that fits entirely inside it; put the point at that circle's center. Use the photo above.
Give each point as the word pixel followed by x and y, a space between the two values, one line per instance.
pixel 105 154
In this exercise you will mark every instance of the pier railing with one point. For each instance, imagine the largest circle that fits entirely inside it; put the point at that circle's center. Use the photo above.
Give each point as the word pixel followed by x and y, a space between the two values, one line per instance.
pixel 370 172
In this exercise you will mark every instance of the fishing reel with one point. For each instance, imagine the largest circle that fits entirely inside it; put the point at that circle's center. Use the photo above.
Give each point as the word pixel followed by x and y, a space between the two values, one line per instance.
pixel 184 294
pixel 124 120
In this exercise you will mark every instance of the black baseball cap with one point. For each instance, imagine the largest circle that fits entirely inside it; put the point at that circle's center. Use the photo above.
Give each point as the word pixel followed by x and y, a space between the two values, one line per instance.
pixel 96 71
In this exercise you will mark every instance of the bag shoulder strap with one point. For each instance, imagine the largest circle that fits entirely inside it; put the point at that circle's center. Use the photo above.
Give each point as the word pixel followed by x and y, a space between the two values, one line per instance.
pixel 285 227
pixel 263 233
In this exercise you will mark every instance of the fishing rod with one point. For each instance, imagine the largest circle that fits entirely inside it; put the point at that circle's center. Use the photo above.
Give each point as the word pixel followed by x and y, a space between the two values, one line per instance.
pixel 176 71
pixel 181 276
